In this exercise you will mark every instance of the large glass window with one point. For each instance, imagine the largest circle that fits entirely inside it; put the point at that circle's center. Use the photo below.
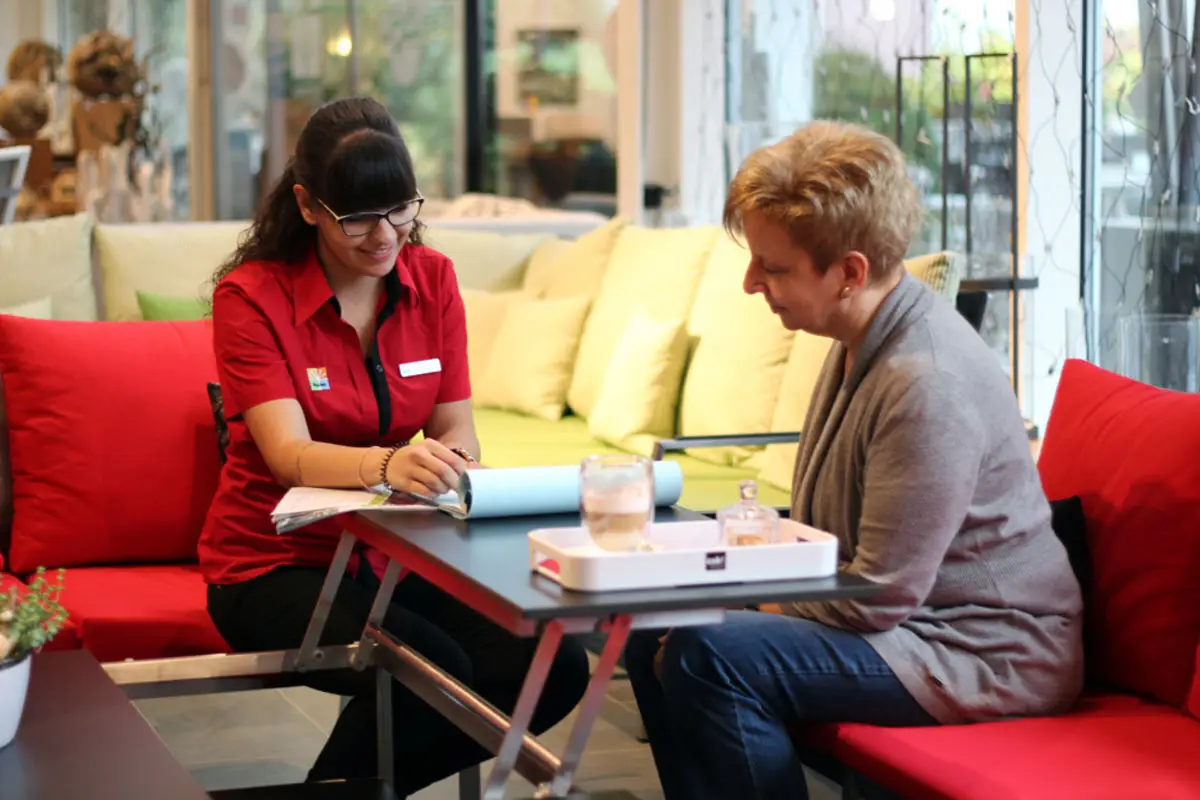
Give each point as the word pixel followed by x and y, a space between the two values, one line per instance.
pixel 937 76
pixel 1147 184
pixel 550 73
pixel 891 65
pixel 155 147
pixel 294 55
pixel 547 75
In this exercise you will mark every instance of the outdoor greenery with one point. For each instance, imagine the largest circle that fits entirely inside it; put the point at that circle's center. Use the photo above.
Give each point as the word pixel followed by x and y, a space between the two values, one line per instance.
pixel 855 86
pixel 31 618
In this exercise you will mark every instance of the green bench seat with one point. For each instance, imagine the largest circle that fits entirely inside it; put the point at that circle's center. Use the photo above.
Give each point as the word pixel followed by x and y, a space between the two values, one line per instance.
pixel 515 440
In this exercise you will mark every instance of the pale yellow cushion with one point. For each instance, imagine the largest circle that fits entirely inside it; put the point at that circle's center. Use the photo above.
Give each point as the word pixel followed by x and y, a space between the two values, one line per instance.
pixel 169 259
pixel 483 259
pixel 637 403
pixel 561 268
pixel 49 258
pixel 942 271
pixel 733 376
pixel 795 393
pixel 529 367
pixel 652 271
pixel 37 309
pixel 485 312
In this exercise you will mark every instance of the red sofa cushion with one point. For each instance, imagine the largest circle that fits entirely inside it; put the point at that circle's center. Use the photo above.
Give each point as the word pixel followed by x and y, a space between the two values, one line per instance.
pixel 67 638
pixel 1112 747
pixel 141 612
pixel 1128 450
pixel 111 440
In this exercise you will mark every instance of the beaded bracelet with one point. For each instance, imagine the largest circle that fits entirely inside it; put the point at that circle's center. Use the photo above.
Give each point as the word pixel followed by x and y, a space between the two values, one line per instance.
pixel 383 468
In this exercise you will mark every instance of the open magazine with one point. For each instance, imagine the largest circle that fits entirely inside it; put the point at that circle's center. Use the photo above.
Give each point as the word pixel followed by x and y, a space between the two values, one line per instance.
pixel 504 492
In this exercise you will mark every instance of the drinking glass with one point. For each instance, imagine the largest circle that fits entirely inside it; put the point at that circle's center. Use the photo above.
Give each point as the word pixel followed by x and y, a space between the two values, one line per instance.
pixel 616 500
pixel 1161 349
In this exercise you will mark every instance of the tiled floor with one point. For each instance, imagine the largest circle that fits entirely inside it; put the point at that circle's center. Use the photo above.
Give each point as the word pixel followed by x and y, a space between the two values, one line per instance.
pixel 271 737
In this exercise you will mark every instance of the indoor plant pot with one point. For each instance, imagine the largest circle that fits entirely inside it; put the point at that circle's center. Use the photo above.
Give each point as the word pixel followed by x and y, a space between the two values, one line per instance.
pixel 29 617
pixel 14 683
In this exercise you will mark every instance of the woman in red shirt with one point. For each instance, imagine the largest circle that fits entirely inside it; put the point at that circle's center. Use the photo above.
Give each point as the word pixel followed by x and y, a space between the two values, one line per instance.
pixel 338 338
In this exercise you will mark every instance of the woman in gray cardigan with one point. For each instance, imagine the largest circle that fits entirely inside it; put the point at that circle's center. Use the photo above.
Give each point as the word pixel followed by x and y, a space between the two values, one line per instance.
pixel 915 456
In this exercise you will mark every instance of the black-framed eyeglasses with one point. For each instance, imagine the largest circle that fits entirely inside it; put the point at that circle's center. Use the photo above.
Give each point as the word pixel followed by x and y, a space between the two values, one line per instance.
pixel 363 222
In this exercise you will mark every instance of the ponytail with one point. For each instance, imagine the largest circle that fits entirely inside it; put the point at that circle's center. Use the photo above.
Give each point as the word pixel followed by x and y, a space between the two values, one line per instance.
pixel 278 232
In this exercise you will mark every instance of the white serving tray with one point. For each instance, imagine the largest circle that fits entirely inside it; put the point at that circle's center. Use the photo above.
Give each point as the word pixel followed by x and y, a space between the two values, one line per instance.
pixel 683 554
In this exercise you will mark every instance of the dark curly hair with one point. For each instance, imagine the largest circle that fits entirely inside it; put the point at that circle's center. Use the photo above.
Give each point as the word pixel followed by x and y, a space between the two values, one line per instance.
pixel 352 157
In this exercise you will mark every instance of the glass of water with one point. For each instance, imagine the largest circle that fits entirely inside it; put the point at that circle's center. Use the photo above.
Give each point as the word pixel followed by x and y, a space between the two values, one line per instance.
pixel 616 500
pixel 1162 350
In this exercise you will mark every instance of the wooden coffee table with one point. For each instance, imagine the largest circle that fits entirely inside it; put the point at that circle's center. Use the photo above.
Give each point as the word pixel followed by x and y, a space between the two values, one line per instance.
pixel 80 737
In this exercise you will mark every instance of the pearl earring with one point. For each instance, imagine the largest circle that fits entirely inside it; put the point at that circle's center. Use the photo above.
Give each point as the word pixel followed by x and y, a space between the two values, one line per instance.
pixel 845 292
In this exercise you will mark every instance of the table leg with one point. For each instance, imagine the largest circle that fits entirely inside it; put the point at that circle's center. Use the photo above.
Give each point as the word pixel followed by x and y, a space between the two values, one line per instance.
pixel 531 692
pixel 362 657
pixel 589 708
pixel 384 732
pixel 316 624
pixel 470 784
pixel 383 726
pixel 469 712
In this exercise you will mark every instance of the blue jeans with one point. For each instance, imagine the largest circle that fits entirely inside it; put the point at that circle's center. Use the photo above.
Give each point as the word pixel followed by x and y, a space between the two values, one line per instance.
pixel 718 720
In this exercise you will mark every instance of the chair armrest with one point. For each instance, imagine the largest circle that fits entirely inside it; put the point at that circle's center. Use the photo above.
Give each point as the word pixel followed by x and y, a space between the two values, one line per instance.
pixel 663 446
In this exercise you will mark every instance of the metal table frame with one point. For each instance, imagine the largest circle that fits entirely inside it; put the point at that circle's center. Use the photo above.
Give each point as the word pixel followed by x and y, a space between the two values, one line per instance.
pixel 507 737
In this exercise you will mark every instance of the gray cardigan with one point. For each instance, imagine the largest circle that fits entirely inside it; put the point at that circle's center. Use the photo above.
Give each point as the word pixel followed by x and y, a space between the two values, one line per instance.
pixel 919 463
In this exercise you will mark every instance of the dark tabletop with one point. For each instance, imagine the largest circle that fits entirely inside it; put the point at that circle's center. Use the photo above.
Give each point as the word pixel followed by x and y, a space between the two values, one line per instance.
pixel 80 737
pixel 490 559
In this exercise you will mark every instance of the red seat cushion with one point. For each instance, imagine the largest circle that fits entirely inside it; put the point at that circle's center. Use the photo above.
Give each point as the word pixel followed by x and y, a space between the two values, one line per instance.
pixel 1128 451
pixel 111 440
pixel 66 639
pixel 141 612
pixel 1111 747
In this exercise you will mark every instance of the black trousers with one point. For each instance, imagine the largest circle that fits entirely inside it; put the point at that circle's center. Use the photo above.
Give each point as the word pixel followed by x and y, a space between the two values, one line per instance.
pixel 271 612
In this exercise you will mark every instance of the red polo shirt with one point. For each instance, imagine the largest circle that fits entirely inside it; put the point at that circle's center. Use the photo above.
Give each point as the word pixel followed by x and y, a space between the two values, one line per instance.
pixel 278 333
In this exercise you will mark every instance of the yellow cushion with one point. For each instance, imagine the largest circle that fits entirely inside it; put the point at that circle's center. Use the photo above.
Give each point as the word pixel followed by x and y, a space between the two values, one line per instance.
pixel 485 312
pixel 732 380
pixel 795 393
pixel 530 364
pixel 561 268
pixel 49 258
pixel 174 259
pixel 942 271
pixel 652 271
pixel 636 405
pixel 483 259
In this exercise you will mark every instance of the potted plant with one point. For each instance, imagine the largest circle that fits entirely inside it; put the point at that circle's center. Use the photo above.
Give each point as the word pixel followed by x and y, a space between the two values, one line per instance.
pixel 28 619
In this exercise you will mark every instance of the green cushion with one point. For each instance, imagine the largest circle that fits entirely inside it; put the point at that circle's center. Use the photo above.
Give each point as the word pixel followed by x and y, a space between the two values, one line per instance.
pixel 515 440
pixel 164 308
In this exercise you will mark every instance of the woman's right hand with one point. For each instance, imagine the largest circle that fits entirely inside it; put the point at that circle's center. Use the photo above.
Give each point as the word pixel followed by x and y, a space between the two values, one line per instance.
pixel 426 468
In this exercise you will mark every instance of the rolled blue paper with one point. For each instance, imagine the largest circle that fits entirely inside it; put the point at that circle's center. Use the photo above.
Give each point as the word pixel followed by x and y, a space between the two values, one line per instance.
pixel 521 491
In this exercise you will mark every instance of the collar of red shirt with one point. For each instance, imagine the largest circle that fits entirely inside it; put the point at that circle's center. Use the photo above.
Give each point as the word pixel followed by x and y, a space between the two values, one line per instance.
pixel 312 289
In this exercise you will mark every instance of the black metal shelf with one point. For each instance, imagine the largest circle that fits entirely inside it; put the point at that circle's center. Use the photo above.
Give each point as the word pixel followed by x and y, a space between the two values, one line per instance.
pixel 1007 284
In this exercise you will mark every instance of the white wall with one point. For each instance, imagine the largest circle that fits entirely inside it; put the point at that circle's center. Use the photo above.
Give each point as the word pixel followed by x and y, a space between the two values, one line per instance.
pixel 10 20
pixel 1053 105
pixel 662 98
pixel 701 148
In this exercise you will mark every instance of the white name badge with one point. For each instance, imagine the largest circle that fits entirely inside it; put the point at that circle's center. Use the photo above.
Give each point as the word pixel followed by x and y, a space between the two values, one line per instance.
pixel 414 368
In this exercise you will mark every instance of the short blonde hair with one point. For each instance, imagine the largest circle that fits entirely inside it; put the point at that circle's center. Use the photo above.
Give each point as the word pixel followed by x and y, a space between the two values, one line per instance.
pixel 837 188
